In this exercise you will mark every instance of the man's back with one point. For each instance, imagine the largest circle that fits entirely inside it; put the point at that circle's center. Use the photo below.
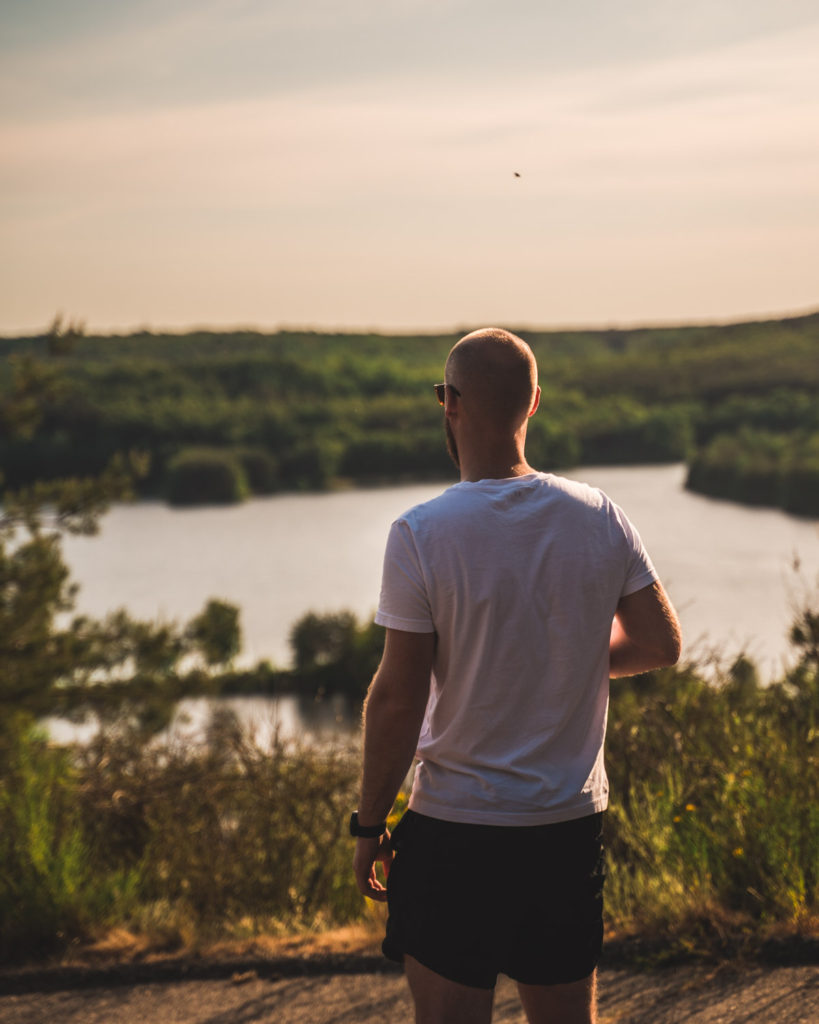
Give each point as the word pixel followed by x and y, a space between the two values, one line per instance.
pixel 520 579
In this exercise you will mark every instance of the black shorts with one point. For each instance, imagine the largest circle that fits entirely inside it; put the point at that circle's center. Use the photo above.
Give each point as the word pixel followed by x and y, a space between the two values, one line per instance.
pixel 473 901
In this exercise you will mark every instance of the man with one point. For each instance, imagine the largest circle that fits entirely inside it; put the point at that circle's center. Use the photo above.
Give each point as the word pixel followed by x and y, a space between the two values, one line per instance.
pixel 509 601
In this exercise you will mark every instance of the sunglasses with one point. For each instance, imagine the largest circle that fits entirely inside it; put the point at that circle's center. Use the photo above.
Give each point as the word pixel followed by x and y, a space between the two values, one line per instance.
pixel 440 392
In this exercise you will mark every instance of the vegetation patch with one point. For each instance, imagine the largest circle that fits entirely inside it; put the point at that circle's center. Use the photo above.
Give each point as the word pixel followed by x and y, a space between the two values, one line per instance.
pixel 712 832
pixel 713 829
pixel 206 476
pixel 220 415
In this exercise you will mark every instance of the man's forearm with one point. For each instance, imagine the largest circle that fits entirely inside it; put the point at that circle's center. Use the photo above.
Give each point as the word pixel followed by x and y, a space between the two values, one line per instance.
pixel 393 714
pixel 645 633
pixel 626 658
pixel 391 732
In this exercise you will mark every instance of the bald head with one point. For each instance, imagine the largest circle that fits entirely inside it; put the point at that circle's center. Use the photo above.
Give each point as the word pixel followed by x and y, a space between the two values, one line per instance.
pixel 497 370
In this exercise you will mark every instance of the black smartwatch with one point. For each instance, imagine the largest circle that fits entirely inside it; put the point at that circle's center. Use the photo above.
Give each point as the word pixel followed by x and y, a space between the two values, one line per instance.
pixel 366 831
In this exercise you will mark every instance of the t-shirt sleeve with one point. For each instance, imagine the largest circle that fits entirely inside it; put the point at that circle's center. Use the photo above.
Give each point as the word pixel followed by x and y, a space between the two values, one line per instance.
pixel 640 571
pixel 403 603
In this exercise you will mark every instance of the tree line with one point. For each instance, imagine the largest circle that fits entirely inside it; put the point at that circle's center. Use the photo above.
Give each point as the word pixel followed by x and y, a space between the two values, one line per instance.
pixel 220 415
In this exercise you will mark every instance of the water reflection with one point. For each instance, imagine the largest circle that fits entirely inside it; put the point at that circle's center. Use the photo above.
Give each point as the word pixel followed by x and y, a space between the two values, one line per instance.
pixel 263 719
pixel 726 567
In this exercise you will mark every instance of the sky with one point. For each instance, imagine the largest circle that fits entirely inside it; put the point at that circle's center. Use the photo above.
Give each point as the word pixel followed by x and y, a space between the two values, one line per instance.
pixel 313 163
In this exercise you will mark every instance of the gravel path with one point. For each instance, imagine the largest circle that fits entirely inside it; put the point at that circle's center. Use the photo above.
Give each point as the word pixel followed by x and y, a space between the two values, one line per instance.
pixel 356 989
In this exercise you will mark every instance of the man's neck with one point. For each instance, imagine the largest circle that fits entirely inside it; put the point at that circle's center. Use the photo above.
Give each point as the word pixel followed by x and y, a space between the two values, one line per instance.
pixel 503 469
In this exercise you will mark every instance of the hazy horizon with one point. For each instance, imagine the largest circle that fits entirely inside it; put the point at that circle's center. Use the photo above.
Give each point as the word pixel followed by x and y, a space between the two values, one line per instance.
pixel 407 166
pixel 193 328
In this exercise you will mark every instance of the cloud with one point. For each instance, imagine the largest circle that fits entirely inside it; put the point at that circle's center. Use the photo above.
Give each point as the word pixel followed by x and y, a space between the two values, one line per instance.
pixel 705 164
pixel 746 114
pixel 155 53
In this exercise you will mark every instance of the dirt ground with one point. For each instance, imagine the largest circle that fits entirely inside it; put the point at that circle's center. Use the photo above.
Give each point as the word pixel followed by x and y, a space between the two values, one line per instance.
pixel 349 982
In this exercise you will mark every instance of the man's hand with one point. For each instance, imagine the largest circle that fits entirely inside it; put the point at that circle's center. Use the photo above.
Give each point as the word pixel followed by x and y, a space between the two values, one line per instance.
pixel 368 852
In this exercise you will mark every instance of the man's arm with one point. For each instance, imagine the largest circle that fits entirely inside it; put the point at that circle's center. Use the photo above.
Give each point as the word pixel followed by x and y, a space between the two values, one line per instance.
pixel 393 715
pixel 645 633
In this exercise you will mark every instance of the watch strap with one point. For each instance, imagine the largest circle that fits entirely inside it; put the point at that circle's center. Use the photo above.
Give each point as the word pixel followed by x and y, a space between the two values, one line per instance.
pixel 366 831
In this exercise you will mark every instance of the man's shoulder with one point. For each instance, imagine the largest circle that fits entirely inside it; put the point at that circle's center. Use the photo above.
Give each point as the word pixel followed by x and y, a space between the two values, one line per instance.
pixel 431 508
pixel 540 488
pixel 576 490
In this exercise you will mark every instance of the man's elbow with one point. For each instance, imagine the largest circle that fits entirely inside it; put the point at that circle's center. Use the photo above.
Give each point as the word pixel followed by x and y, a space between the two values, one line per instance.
pixel 668 637
pixel 390 695
pixel 671 649
pixel 661 650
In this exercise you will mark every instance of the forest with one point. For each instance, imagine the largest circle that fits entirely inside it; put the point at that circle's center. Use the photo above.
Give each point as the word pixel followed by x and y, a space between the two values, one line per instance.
pixel 217 416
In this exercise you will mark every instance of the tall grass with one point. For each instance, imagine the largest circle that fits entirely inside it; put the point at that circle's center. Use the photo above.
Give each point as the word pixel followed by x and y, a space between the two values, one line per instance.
pixel 712 834
pixel 44 873
pixel 713 829
pixel 179 844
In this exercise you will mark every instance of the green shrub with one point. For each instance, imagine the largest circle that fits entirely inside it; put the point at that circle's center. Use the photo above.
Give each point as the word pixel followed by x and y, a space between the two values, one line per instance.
pixel 46 877
pixel 206 476
pixel 216 632
pixel 760 467
pixel 334 653
pixel 261 469
pixel 713 817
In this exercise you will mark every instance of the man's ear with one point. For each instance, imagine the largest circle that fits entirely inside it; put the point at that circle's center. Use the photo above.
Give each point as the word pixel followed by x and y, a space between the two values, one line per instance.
pixel 536 402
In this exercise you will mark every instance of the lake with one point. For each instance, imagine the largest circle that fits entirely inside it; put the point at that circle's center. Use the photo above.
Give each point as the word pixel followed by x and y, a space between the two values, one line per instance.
pixel 729 569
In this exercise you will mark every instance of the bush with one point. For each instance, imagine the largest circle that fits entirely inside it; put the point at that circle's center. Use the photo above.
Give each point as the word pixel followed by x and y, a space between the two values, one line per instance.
pixel 760 468
pixel 206 476
pixel 261 469
pixel 215 631
pixel 45 884
pixel 333 653
pixel 713 817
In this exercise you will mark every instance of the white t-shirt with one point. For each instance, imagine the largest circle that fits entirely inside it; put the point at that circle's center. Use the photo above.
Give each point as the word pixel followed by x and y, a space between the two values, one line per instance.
pixel 520 579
